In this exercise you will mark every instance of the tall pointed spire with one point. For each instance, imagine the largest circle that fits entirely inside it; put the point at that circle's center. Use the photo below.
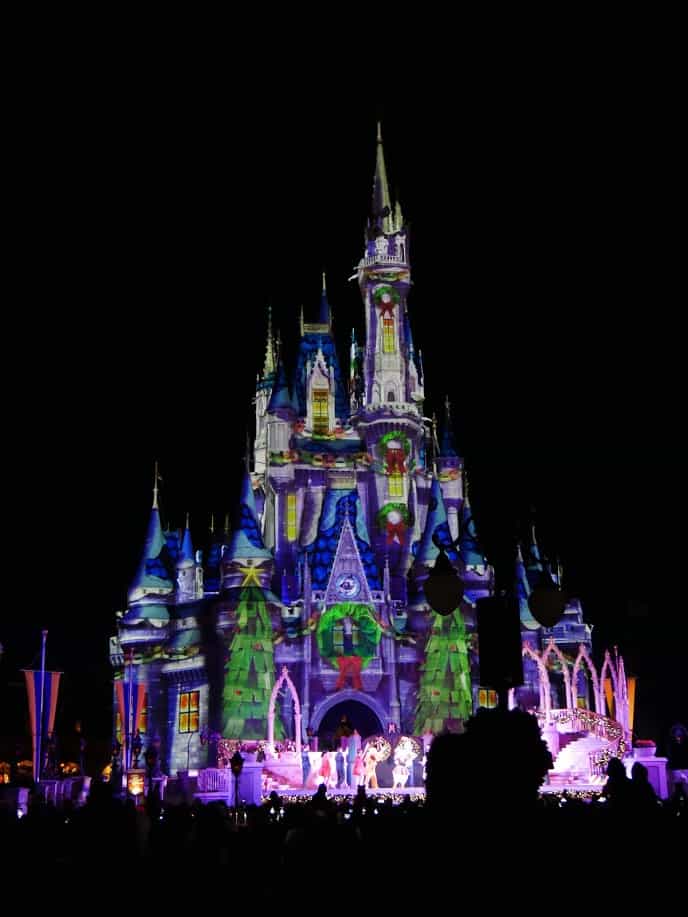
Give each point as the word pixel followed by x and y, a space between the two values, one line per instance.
pixel 447 444
pixel 152 575
pixel 324 316
pixel 382 204
pixel 187 552
pixel 269 365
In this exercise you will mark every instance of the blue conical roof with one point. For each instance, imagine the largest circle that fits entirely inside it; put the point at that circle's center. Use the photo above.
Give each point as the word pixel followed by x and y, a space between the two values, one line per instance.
pixel 280 399
pixel 186 552
pixel 152 574
pixel 523 592
pixel 247 540
pixel 436 530
pixel 469 546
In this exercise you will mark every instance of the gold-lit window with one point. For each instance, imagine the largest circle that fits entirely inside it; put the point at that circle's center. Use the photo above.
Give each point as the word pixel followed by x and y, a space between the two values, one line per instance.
pixel 388 345
pixel 291 517
pixel 188 711
pixel 487 697
pixel 321 410
pixel 396 484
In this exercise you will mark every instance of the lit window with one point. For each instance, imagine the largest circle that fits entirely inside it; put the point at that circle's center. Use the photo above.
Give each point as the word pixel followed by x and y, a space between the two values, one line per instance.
pixel 388 345
pixel 396 484
pixel 487 697
pixel 188 711
pixel 320 403
pixel 291 517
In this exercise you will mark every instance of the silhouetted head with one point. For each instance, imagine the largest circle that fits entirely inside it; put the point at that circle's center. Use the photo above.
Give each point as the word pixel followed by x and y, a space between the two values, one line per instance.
pixel 616 769
pixel 499 762
pixel 638 772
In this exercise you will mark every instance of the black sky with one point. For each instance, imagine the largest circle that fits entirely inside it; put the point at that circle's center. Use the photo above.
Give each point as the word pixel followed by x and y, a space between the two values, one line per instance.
pixel 155 220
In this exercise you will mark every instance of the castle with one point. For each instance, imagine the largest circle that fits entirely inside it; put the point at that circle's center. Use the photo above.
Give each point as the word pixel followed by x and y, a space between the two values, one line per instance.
pixel 350 491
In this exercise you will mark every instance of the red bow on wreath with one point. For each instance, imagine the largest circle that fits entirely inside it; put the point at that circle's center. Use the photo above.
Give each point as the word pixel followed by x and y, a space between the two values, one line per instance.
pixel 386 306
pixel 395 461
pixel 349 665
pixel 395 531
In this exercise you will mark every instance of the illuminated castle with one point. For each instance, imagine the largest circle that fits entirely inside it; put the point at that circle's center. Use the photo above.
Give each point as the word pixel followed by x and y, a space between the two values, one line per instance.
pixel 350 492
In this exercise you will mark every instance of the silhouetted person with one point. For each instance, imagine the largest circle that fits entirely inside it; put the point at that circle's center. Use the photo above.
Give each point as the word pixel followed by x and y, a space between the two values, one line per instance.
pixel 341 772
pixel 618 786
pixel 496 766
pixel 305 764
pixel 644 797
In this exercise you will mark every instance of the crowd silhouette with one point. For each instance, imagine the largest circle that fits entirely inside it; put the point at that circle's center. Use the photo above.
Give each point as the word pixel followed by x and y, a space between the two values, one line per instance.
pixel 483 817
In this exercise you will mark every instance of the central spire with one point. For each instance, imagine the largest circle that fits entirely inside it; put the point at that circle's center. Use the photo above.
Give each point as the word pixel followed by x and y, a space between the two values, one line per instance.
pixel 270 361
pixel 382 203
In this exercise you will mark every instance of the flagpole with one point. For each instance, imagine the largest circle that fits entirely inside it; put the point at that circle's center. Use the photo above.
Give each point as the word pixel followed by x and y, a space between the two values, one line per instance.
pixel 39 729
pixel 130 712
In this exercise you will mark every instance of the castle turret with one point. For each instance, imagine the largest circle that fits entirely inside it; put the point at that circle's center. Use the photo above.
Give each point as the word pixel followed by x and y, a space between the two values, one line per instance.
pixel 246 554
pixel 189 570
pixel 152 577
pixel 318 384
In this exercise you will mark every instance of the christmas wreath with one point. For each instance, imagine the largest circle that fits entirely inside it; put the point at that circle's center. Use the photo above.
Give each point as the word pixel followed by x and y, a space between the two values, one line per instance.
pixel 368 631
pixel 394 457
pixel 386 298
pixel 394 519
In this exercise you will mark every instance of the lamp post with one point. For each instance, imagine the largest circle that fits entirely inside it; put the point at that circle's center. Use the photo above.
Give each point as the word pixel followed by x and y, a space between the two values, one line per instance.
pixel 188 751
pixel 236 763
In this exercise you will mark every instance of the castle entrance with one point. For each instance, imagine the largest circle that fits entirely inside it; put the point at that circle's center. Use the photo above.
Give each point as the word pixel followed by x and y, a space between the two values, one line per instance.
pixel 359 716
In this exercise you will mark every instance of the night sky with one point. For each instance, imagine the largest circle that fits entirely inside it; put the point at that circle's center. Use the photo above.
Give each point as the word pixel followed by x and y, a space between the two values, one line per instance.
pixel 154 224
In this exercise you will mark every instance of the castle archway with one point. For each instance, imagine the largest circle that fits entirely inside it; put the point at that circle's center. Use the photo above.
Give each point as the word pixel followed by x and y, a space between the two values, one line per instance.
pixel 363 712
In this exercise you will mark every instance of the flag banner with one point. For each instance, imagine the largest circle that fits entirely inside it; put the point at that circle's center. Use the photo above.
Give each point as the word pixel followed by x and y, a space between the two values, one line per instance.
pixel 51 687
pixel 130 700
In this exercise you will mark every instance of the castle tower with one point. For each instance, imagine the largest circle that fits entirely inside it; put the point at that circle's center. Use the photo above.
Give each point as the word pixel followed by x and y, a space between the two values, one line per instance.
pixel 152 582
pixel 384 279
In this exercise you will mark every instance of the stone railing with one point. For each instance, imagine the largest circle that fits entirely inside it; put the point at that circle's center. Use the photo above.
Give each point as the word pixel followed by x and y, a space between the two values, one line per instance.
pixel 582 720
pixel 215 780
pixel 381 259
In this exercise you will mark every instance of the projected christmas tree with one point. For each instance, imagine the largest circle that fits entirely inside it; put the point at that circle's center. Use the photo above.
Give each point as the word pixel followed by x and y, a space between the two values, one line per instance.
pixel 251 674
pixel 444 692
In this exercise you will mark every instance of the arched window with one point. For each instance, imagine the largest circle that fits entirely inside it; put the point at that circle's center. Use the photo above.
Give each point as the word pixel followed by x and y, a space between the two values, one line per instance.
pixel 388 342
pixel 321 412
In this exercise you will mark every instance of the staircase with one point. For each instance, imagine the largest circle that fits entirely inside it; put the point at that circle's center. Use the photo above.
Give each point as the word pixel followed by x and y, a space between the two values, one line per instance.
pixel 573 761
